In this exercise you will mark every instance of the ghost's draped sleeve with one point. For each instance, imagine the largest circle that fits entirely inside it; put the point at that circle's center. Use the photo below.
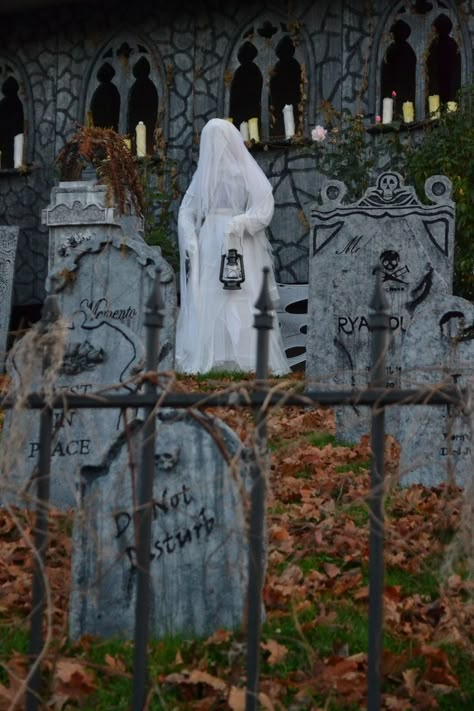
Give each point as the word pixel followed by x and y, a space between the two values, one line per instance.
pixel 256 217
pixel 188 249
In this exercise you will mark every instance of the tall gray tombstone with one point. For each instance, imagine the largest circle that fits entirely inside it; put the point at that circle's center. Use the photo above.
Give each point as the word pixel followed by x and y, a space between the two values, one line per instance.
pixel 98 353
pixel 79 211
pixel 199 543
pixel 8 245
pixel 387 229
pixel 436 441
pixel 99 261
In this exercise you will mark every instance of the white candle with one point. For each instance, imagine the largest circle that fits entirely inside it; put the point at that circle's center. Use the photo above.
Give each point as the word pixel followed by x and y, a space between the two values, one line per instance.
pixel 408 111
pixel 244 130
pixel 140 133
pixel 433 105
pixel 289 120
pixel 229 119
pixel 452 106
pixel 18 150
pixel 253 130
pixel 128 143
pixel 387 110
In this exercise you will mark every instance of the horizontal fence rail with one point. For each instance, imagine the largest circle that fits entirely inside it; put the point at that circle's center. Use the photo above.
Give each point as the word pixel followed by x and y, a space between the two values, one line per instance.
pixel 436 394
pixel 260 397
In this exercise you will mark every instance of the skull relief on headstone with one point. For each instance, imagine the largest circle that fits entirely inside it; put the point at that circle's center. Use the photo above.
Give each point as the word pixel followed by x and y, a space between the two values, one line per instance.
pixel 198 554
pixel 387 229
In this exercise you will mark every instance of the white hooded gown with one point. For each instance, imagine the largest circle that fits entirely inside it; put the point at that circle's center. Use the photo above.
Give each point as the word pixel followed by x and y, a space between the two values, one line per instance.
pixel 228 204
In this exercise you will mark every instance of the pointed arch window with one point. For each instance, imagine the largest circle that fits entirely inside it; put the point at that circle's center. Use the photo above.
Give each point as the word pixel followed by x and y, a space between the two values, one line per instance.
pixel 266 71
pixel 125 89
pixel 12 118
pixel 420 51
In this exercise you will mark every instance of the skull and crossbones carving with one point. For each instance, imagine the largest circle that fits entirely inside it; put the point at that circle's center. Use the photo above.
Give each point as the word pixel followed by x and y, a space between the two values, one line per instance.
pixel 390 260
pixel 167 458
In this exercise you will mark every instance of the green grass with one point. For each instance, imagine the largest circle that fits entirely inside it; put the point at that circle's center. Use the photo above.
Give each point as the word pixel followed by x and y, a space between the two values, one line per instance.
pixel 13 638
pixel 316 562
pixel 216 374
pixel 322 439
pixel 358 513
pixel 425 583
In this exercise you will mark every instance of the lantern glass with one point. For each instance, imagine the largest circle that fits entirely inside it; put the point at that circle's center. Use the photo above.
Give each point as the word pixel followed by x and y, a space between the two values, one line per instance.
pixel 232 273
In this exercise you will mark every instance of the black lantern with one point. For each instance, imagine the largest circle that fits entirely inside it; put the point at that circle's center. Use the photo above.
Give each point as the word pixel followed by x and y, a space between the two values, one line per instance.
pixel 232 273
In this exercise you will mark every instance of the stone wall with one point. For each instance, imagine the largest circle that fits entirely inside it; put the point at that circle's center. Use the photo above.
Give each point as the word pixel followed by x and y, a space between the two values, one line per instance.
pixel 55 54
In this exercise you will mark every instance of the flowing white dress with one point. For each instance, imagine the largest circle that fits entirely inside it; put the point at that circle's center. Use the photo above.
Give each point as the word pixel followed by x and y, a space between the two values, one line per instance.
pixel 228 204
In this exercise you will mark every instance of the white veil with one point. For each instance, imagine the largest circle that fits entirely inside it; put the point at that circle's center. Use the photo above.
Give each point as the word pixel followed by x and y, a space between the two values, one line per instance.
pixel 227 176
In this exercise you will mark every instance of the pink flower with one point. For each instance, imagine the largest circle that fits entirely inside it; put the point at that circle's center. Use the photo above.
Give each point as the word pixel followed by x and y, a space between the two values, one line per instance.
pixel 318 133
pixel 394 93
pixel 378 119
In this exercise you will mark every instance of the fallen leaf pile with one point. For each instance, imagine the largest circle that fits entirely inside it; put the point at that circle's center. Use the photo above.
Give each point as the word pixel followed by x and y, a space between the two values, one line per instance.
pixel 314 641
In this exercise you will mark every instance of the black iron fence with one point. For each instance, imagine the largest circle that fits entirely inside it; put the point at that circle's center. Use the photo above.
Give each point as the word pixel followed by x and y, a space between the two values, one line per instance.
pixel 261 399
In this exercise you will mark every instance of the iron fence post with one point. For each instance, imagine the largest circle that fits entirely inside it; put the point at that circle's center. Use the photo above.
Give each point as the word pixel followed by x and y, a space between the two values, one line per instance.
pixel 50 315
pixel 153 323
pixel 263 323
pixel 379 325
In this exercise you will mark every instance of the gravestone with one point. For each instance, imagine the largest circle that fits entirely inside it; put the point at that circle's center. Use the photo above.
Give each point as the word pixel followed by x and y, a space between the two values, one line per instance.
pixel 199 556
pixel 387 229
pixel 113 278
pixel 98 259
pixel 98 352
pixel 436 441
pixel 8 244
pixel 78 211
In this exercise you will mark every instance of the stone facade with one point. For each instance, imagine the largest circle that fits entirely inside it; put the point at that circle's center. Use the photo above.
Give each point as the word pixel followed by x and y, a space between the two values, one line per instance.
pixel 191 50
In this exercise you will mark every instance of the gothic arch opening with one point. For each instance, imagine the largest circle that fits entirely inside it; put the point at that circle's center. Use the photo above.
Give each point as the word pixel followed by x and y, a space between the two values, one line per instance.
pixel 126 88
pixel 12 118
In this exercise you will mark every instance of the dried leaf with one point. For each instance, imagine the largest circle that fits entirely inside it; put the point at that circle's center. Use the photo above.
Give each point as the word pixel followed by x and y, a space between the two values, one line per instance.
pixel 277 651
pixel 72 680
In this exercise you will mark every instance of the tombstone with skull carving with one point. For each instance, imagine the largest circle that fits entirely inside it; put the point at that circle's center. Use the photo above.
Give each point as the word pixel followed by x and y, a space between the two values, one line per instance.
pixel 390 230
pixel 199 543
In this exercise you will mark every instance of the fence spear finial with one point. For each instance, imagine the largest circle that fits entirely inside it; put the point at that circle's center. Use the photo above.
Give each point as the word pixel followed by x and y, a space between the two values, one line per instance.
pixel 379 301
pixel 264 304
pixel 154 309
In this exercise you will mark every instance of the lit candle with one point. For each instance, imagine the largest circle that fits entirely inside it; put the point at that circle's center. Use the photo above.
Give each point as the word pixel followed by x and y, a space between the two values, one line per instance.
pixel 452 106
pixel 140 132
pixel 433 104
pixel 289 120
pixel 244 130
pixel 128 143
pixel 18 150
pixel 408 111
pixel 253 130
pixel 387 110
